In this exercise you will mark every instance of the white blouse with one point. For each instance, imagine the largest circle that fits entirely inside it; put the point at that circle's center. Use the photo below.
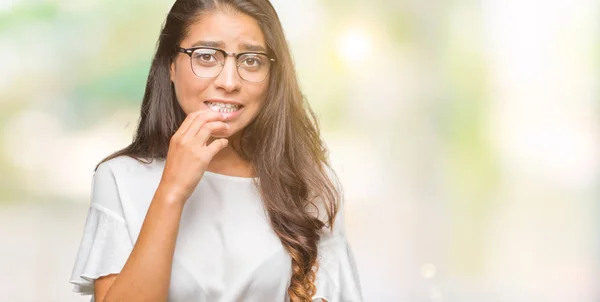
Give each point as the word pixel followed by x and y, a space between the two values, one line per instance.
pixel 225 251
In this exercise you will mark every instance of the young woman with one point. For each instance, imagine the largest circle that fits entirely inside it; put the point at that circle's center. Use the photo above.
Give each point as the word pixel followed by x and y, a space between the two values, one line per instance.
pixel 225 193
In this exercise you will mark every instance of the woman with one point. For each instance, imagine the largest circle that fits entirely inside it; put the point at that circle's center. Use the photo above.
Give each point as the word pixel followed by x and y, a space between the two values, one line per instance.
pixel 225 193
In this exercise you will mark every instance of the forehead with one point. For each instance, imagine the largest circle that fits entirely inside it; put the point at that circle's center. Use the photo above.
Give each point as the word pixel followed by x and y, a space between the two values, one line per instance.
pixel 229 30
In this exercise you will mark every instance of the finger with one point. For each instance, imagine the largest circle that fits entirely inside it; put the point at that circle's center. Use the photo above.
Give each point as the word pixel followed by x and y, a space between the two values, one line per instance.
pixel 201 119
pixel 208 129
pixel 187 122
pixel 216 146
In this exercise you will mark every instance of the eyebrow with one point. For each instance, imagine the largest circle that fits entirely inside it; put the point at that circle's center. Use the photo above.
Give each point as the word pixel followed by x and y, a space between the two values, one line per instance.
pixel 221 44
pixel 252 47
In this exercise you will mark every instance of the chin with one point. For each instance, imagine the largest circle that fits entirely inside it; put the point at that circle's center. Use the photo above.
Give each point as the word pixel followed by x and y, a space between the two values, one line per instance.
pixel 221 135
pixel 225 134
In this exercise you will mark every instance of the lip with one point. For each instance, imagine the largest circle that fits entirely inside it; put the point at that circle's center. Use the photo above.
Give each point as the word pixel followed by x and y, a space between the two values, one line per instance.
pixel 224 101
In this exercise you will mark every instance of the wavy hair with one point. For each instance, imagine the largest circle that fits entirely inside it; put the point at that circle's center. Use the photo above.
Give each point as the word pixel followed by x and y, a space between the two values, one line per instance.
pixel 283 143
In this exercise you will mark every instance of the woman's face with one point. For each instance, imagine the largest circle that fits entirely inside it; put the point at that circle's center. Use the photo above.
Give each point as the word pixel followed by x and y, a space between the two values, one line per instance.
pixel 232 32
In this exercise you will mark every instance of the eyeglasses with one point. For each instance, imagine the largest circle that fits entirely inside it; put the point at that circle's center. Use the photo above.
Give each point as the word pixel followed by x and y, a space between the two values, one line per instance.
pixel 208 62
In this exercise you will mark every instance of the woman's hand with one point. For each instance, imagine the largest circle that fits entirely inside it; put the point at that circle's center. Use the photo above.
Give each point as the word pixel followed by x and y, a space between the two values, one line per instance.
pixel 189 155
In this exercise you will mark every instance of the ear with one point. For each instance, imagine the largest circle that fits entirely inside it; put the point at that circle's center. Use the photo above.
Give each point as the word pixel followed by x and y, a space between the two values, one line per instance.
pixel 172 71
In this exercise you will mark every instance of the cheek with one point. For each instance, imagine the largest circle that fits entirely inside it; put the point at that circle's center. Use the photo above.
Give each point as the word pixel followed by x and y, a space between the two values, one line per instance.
pixel 260 93
pixel 188 89
pixel 257 97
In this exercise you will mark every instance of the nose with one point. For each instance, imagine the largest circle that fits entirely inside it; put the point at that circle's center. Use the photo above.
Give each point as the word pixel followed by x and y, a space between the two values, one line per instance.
pixel 229 79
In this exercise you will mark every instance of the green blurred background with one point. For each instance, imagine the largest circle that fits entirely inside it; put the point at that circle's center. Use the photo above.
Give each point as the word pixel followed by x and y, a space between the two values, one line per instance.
pixel 466 134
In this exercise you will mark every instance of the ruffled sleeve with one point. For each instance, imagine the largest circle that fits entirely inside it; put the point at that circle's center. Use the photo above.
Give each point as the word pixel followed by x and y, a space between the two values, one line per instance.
pixel 106 243
pixel 337 277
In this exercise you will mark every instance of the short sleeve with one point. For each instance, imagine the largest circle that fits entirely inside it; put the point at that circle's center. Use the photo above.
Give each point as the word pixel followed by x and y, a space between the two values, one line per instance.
pixel 337 277
pixel 105 244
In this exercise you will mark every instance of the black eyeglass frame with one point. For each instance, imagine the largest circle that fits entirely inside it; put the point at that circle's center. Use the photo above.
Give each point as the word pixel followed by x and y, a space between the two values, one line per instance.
pixel 190 51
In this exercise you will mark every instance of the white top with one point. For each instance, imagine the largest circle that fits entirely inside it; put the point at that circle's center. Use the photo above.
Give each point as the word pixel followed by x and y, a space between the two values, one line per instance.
pixel 226 249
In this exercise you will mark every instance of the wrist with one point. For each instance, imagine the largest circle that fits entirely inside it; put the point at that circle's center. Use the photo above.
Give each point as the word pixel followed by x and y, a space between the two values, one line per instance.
pixel 169 195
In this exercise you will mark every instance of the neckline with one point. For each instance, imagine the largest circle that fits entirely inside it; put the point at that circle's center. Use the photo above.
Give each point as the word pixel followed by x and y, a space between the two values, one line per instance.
pixel 230 177
pixel 223 176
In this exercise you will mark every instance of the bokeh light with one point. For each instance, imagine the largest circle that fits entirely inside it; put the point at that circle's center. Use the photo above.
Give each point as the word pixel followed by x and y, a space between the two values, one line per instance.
pixel 354 46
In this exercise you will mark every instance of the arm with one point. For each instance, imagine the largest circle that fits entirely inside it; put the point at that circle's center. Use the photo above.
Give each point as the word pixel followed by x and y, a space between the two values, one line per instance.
pixel 101 286
pixel 147 273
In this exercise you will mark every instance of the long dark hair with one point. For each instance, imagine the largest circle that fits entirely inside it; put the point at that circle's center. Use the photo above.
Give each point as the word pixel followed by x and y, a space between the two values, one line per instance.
pixel 282 143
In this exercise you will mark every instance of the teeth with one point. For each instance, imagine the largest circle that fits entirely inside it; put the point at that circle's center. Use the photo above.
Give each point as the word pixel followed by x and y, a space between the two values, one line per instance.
pixel 222 107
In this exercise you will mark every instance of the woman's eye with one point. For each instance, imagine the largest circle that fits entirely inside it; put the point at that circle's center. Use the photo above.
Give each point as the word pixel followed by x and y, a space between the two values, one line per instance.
pixel 204 57
pixel 252 62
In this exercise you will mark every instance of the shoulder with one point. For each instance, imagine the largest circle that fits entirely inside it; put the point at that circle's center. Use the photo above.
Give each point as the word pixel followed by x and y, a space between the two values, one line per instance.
pixel 128 172
pixel 126 163
pixel 125 182
pixel 122 166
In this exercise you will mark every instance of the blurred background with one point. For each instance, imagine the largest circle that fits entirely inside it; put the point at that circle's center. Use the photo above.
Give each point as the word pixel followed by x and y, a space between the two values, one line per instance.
pixel 466 134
